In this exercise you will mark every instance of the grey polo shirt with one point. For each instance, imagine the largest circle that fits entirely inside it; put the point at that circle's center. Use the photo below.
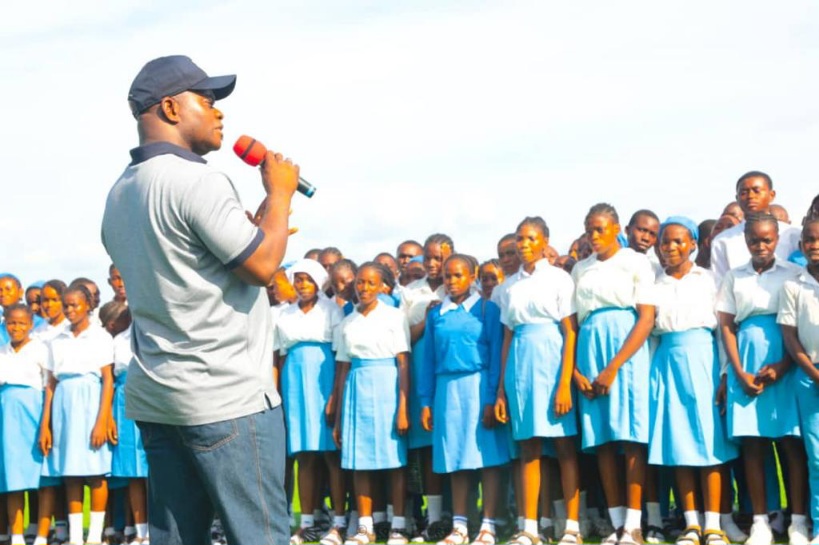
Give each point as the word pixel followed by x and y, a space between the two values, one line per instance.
pixel 202 338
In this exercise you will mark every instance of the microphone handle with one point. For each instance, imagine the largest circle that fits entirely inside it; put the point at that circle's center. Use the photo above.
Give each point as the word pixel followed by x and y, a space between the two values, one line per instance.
pixel 306 188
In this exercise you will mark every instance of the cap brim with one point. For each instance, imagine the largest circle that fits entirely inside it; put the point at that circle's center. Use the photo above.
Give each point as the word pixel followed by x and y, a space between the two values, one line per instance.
pixel 220 86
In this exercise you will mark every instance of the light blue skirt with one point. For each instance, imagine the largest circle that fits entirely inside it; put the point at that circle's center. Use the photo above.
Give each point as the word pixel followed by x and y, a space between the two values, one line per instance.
pixel 369 440
pixel 21 461
pixel 685 427
pixel 418 437
pixel 128 458
pixel 307 383
pixel 532 375
pixel 74 412
pixel 622 415
pixel 459 439
pixel 772 413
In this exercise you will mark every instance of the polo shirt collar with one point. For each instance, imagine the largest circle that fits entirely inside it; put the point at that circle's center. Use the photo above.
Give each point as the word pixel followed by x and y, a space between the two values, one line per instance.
pixel 468 303
pixel 154 149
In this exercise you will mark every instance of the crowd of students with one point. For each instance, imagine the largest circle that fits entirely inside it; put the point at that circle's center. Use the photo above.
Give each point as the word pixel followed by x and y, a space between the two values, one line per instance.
pixel 667 354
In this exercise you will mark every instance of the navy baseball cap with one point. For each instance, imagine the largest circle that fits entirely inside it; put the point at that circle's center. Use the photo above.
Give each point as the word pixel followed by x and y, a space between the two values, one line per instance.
pixel 169 76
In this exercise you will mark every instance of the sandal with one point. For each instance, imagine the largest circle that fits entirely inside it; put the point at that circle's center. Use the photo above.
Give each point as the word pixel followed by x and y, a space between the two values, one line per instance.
pixel 715 537
pixel 689 536
pixel 485 537
pixel 455 537
pixel 571 538
pixel 524 538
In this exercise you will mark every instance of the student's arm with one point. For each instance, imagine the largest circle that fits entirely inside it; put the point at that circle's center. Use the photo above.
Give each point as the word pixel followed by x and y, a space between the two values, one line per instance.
pixel 772 372
pixel 798 352
pixel 402 422
pixel 494 332
pixel 342 368
pixel 635 340
pixel 728 328
pixel 100 433
pixel 331 408
pixel 45 422
pixel 278 364
pixel 563 398
pixel 501 414
pixel 280 178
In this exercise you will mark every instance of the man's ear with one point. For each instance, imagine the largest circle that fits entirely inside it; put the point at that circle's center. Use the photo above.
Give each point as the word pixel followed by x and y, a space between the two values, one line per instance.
pixel 170 109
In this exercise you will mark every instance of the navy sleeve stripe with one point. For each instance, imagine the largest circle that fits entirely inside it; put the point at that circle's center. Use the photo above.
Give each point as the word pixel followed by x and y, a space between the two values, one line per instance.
pixel 247 252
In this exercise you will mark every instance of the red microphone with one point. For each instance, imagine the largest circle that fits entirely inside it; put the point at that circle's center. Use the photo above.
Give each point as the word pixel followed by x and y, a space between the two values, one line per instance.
pixel 252 152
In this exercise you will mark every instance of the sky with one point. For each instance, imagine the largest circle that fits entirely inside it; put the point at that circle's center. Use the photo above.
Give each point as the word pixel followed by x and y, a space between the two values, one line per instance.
pixel 419 117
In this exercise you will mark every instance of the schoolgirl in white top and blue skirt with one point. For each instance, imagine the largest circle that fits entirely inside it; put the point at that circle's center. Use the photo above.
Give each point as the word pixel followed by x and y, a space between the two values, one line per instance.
pixel 77 424
pixel 761 405
pixel 613 297
pixel 536 395
pixel 458 389
pixel 799 318
pixel 22 363
pixel 371 426
pixel 304 332
pixel 686 430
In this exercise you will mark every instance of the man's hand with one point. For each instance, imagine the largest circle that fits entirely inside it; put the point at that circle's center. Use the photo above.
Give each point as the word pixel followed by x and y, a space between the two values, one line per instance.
pixel 279 175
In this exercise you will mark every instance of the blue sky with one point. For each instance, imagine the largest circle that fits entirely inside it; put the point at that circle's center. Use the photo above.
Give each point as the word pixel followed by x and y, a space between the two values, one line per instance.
pixel 417 117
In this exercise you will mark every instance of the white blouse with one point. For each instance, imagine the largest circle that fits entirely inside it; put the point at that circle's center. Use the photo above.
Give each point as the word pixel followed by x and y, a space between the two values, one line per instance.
pixel 24 368
pixel 416 297
pixel 624 280
pixel 383 333
pixel 745 293
pixel 47 332
pixel 87 353
pixel 294 326
pixel 729 249
pixel 799 308
pixel 685 303
pixel 546 295
pixel 122 352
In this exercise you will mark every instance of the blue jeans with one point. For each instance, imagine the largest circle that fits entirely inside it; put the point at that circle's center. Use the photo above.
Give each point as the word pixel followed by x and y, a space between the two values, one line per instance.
pixel 233 468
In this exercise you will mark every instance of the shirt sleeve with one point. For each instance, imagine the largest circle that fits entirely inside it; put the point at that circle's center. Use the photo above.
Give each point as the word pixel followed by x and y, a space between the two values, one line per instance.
pixel 719 259
pixel 565 297
pixel 644 282
pixel 726 299
pixel 342 350
pixel 217 218
pixel 788 300
pixel 401 339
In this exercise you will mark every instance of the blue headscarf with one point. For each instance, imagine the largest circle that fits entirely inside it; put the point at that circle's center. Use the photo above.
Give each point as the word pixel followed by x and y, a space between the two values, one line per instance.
pixel 688 223
pixel 417 259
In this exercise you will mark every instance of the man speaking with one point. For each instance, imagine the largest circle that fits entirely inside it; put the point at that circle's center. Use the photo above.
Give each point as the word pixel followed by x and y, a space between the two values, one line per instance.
pixel 200 385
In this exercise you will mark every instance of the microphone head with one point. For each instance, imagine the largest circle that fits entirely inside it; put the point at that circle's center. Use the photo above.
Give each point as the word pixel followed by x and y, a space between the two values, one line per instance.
pixel 249 150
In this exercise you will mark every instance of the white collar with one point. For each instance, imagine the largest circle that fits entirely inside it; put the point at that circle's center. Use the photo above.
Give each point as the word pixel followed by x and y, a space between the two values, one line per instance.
pixel 540 265
pixel 748 267
pixel 470 301
pixel 807 278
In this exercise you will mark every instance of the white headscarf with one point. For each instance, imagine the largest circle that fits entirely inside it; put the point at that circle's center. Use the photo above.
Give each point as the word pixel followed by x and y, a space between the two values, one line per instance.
pixel 311 267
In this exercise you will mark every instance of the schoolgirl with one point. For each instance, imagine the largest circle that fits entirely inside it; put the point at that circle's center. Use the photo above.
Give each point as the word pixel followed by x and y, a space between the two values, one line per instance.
pixel 128 459
pixel 372 423
pixel 490 275
pixel 615 309
pixel 304 331
pixel 416 298
pixel 51 303
pixel 22 363
pixel 535 390
pixel 686 431
pixel 77 427
pixel 458 388
pixel 798 317
pixel 760 403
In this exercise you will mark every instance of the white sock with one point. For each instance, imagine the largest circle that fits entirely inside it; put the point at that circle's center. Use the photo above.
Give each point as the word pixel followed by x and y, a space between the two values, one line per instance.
pixel 379 516
pixel 18 539
pixel 711 520
pixel 399 523
pixel 584 510
pixel 633 519
pixel 572 526
pixel 434 505
pixel 520 524
pixel 617 516
pixel 339 521
pixel 129 531
pixel 109 531
pixel 366 522
pixel 488 524
pixel 799 519
pixel 560 509
pixel 459 521
pixel 762 519
pixel 546 522
pixel 691 518
pixel 308 521
pixel 654 517
pixel 142 530
pixel 95 524
pixel 75 528
pixel 40 540
pixel 530 526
